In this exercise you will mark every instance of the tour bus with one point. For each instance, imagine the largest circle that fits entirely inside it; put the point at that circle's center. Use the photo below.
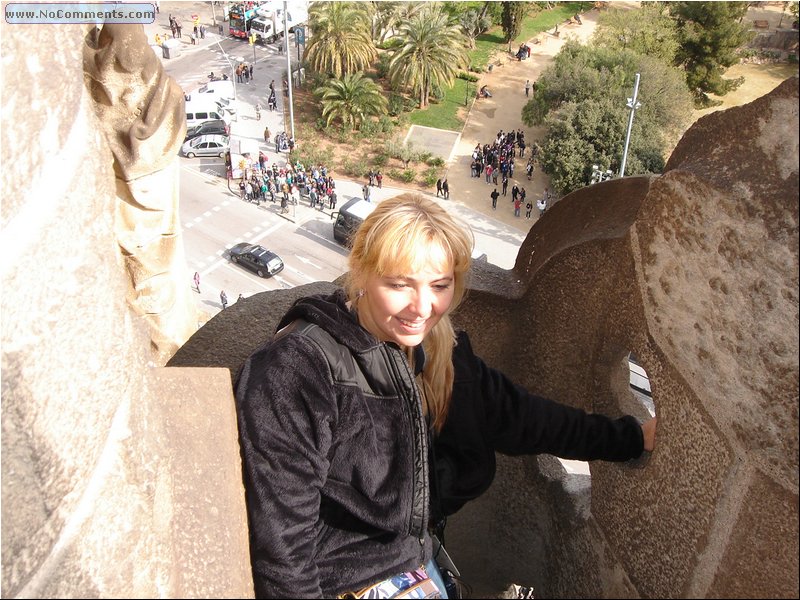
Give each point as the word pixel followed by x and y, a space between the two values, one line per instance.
pixel 349 217
pixel 241 17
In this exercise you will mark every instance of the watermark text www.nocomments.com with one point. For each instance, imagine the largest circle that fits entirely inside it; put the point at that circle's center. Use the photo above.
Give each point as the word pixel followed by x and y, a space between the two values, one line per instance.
pixel 75 13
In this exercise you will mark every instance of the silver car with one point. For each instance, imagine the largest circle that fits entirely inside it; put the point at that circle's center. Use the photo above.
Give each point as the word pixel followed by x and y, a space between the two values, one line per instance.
pixel 206 145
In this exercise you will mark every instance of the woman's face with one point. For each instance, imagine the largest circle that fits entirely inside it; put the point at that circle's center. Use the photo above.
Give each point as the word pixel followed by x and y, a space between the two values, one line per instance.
pixel 403 308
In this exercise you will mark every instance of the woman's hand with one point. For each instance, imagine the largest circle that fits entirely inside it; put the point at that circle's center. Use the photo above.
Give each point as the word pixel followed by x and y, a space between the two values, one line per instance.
pixel 649 433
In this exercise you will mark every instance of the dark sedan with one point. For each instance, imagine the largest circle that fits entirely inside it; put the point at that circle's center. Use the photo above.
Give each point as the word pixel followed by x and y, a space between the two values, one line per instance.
pixel 258 259
pixel 213 127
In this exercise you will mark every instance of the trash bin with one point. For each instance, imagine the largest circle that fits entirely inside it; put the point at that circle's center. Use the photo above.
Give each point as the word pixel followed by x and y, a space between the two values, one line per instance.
pixel 171 48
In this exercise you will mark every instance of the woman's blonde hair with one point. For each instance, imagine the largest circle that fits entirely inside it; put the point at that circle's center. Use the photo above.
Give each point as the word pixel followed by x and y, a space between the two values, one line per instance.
pixel 401 236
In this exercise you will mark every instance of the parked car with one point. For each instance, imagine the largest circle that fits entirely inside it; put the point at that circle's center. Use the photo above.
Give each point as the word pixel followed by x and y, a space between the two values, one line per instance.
pixel 206 145
pixel 213 127
pixel 258 259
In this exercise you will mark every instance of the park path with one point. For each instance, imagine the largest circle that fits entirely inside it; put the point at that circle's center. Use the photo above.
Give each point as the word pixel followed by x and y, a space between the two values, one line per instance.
pixel 503 111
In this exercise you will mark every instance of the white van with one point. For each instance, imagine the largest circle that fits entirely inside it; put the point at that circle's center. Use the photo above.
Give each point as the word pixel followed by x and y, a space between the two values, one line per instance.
pixel 221 88
pixel 200 110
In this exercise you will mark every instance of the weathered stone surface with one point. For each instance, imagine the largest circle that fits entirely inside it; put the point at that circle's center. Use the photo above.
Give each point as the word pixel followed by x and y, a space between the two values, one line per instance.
pixel 696 273
pixel 118 479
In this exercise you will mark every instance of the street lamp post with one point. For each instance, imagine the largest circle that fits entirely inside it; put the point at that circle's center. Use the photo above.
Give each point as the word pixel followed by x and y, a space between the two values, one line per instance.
pixel 634 106
pixel 288 68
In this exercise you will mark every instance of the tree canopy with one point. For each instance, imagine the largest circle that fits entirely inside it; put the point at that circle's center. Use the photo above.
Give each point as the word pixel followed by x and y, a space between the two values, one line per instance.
pixel 351 99
pixel 710 34
pixel 341 40
pixel 648 31
pixel 581 99
pixel 431 52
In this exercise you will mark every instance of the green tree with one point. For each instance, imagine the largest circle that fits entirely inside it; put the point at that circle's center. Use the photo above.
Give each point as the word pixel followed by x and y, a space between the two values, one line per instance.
pixel 341 41
pixel 648 31
pixel 351 99
pixel 513 15
pixel 581 101
pixel 432 51
pixel 473 24
pixel 388 16
pixel 710 34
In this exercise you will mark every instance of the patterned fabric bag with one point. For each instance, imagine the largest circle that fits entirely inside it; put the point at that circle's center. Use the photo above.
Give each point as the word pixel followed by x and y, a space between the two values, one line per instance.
pixel 412 584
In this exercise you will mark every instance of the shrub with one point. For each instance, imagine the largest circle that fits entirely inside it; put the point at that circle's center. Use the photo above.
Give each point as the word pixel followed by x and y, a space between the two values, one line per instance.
pixel 437 95
pixel 395 104
pixel 430 176
pixel 409 104
pixel 467 76
pixel 357 168
pixel 395 174
pixel 369 128
pixel 385 124
pixel 408 175
pixel 423 156
pixel 382 66
pixel 380 160
pixel 343 134
pixel 435 161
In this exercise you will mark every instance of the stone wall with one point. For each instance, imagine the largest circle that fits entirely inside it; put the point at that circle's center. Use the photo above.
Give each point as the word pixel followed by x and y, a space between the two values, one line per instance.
pixel 118 478
pixel 696 273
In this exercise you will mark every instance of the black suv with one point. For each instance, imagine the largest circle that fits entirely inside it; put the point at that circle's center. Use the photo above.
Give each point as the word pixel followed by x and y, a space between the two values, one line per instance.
pixel 217 126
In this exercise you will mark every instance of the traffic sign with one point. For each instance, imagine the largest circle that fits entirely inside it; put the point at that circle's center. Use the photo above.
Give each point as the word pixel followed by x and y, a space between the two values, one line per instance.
pixel 299 35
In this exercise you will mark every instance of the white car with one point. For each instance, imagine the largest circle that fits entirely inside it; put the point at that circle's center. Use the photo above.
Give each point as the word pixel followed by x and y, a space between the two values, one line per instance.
pixel 206 145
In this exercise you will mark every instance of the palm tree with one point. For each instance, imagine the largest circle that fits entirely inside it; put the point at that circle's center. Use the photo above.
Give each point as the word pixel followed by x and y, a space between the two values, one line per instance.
pixel 388 15
pixel 341 42
pixel 431 54
pixel 351 99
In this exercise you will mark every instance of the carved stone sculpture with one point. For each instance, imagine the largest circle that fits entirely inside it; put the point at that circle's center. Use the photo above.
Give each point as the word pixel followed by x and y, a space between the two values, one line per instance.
pixel 141 111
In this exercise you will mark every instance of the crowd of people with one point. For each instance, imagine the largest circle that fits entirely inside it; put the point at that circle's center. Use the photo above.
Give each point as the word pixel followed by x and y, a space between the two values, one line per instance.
pixel 495 163
pixel 286 184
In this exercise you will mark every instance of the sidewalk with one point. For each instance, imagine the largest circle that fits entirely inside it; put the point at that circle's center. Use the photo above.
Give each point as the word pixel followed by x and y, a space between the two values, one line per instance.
pixel 503 111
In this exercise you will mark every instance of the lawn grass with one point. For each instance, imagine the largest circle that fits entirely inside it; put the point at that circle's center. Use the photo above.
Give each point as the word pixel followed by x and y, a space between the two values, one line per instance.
pixel 444 115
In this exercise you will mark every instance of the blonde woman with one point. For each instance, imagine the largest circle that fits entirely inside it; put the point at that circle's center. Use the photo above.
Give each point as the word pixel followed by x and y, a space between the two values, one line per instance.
pixel 342 413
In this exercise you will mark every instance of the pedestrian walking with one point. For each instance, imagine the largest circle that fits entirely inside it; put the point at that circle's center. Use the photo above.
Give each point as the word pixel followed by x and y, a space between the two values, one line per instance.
pixel 541 204
pixel 258 112
pixel 438 186
pixel 197 281
pixel 517 206
pixel 495 194
pixel 365 192
pixel 267 134
pixel 223 299
pixel 379 179
pixel 202 32
pixel 446 188
pixel 527 87
pixel 528 209
pixel 505 184
pixel 252 68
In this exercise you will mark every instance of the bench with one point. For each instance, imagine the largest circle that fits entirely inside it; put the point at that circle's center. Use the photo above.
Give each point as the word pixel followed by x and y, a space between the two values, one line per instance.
pixel 761 24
